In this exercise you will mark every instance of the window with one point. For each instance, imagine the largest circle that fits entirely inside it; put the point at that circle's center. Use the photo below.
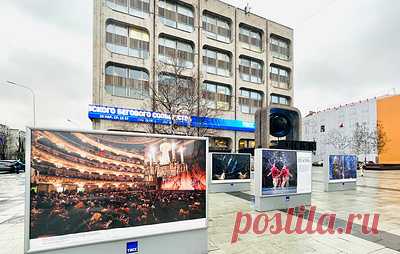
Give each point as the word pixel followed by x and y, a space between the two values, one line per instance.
pixel 250 70
pixel 217 62
pixel 250 38
pixel 176 15
pixel 247 143
pixel 217 28
pixel 217 96
pixel 137 8
pixel 280 77
pixel 249 101
pixel 175 52
pixel 126 40
pixel 126 82
pixel 322 128
pixel 279 48
pixel 280 99
pixel 173 86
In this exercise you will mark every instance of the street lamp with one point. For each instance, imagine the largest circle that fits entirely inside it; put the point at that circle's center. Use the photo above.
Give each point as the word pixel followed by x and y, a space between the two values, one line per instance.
pixel 33 98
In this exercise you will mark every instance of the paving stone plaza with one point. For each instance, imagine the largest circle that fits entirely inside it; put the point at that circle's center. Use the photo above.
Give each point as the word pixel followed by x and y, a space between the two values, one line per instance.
pixel 377 192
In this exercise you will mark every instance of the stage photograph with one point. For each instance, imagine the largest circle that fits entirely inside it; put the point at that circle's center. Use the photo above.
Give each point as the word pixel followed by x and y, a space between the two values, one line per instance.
pixel 279 172
pixel 336 167
pixel 228 167
pixel 83 182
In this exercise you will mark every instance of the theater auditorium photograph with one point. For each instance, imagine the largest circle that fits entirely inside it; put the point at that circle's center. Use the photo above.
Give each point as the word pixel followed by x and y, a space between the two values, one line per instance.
pixel 82 182
pixel 279 172
pixel 228 167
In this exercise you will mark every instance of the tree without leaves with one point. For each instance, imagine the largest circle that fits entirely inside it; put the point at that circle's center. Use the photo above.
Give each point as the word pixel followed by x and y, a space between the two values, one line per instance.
pixel 381 138
pixel 20 154
pixel 338 140
pixel 177 94
pixel 5 139
pixel 366 141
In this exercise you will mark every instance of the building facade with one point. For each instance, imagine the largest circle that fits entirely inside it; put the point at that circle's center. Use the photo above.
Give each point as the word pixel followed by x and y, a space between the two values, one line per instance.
pixel 242 62
pixel 323 125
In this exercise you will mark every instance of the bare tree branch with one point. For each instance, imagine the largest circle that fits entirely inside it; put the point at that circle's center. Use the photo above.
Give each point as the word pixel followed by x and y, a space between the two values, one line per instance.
pixel 338 140
pixel 178 94
pixel 5 139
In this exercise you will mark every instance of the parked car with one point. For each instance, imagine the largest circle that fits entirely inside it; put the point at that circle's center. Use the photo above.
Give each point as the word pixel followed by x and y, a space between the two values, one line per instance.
pixel 318 163
pixel 12 166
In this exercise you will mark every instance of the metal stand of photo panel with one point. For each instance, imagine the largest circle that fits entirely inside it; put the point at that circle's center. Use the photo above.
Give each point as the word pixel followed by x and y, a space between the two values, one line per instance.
pixel 270 203
pixel 336 186
pixel 186 242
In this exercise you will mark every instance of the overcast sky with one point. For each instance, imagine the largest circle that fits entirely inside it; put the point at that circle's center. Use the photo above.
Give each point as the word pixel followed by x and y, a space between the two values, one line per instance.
pixel 344 50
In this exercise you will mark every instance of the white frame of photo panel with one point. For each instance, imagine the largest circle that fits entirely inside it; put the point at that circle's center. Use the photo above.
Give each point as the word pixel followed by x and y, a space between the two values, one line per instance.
pixel 89 242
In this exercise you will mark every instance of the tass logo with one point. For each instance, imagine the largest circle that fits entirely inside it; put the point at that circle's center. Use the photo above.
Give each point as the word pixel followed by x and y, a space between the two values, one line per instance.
pixel 132 247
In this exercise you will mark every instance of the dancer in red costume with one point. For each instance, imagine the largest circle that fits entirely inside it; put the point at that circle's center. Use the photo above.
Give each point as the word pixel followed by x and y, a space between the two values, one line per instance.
pixel 285 175
pixel 275 172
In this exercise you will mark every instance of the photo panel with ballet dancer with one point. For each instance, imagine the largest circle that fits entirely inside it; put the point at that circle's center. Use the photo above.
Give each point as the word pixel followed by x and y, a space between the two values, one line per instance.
pixel 279 172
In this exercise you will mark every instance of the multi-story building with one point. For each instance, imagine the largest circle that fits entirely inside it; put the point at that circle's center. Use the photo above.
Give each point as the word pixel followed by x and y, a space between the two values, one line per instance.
pixel 242 60
pixel 340 123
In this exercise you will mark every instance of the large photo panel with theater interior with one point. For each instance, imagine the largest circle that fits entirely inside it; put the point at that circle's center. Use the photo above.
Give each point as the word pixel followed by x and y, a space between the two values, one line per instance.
pixel 230 167
pixel 88 187
pixel 284 172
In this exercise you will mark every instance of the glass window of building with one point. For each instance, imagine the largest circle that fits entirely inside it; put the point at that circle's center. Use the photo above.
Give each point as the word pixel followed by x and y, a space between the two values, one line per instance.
pixel 126 82
pixel 176 15
pixel 217 62
pixel 218 96
pixel 217 28
pixel 175 52
pixel 247 143
pixel 250 38
pixel 280 99
pixel 280 77
pixel 173 86
pixel 138 8
pixel 251 70
pixel 125 40
pixel 280 48
pixel 249 101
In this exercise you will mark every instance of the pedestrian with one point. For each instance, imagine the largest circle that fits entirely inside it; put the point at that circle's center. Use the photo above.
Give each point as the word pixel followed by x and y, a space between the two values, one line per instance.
pixel 362 165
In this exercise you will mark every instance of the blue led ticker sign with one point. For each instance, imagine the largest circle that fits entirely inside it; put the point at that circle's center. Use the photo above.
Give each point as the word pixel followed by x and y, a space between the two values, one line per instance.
pixel 143 116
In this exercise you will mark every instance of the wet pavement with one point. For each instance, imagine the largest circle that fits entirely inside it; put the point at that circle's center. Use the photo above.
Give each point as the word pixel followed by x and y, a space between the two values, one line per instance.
pixel 377 192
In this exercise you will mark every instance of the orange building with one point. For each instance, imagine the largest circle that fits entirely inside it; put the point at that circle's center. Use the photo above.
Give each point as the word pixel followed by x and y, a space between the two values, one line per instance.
pixel 388 115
